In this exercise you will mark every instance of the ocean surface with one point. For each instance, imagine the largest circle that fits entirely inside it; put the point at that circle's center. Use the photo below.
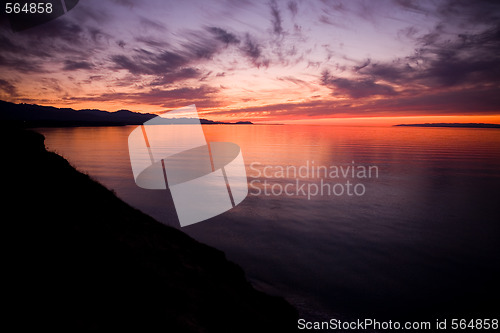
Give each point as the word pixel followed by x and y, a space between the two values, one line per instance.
pixel 415 227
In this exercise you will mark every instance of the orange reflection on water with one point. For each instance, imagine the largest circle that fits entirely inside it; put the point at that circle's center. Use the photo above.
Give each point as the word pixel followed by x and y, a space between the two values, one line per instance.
pixel 295 144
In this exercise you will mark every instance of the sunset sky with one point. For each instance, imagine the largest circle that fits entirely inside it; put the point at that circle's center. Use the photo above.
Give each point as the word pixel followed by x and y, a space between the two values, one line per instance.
pixel 274 61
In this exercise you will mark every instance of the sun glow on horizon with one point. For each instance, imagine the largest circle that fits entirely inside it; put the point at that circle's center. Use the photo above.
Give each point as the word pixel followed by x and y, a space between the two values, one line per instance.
pixel 390 121
pixel 261 117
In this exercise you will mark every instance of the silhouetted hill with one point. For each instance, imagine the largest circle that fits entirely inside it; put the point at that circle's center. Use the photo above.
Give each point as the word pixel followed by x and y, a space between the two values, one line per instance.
pixel 77 258
pixel 466 125
pixel 32 115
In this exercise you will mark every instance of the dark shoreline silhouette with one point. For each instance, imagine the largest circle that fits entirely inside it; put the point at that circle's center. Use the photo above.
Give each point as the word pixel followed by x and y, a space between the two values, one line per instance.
pixel 32 115
pixel 80 259
pixel 460 125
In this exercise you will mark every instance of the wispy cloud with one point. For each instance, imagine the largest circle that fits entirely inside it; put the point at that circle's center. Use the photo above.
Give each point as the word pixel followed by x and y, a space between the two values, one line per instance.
pixel 276 18
pixel 71 65
pixel 8 88
pixel 356 88
pixel 202 96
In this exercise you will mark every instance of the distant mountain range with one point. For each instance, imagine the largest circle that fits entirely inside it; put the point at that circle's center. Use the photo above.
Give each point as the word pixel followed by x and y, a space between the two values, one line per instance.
pixel 32 115
pixel 466 125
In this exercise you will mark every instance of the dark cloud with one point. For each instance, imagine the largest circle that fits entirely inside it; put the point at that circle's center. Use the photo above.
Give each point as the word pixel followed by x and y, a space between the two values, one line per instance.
pixel 276 20
pixel 53 43
pixel 408 32
pixel 466 61
pixel 61 29
pixel 124 62
pixel 360 88
pixel 125 3
pixel 363 65
pixel 483 100
pixel 87 13
pixel 150 24
pixel 293 7
pixel 332 13
pixel 22 65
pixel 253 51
pixel 202 96
pixel 170 64
pixel 287 109
pixel 469 59
pixel 97 35
pixel 197 46
pixel 16 47
pixel 448 74
pixel 326 20
pixel 51 85
pixel 294 80
pixel 223 35
pixel 71 65
pixel 251 48
pixel 356 88
pixel 394 72
pixel 8 45
pixel 178 75
pixel 149 41
pixel 8 88
pixel 205 76
pixel 459 13
pixel 334 6
pixel 411 5
pixel 471 13
pixel 146 62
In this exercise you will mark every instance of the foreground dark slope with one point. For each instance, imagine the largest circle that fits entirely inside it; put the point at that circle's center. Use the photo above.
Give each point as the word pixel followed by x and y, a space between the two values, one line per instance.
pixel 78 258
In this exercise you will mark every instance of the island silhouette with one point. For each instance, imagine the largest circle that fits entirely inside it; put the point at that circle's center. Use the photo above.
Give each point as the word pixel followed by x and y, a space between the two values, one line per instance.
pixel 32 115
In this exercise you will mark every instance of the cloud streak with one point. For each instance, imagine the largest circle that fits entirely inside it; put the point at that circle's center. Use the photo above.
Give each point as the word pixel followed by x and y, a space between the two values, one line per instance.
pixel 202 96
pixel 8 88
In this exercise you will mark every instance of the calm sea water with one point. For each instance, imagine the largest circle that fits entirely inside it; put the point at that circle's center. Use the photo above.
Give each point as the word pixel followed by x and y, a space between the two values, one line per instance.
pixel 422 233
